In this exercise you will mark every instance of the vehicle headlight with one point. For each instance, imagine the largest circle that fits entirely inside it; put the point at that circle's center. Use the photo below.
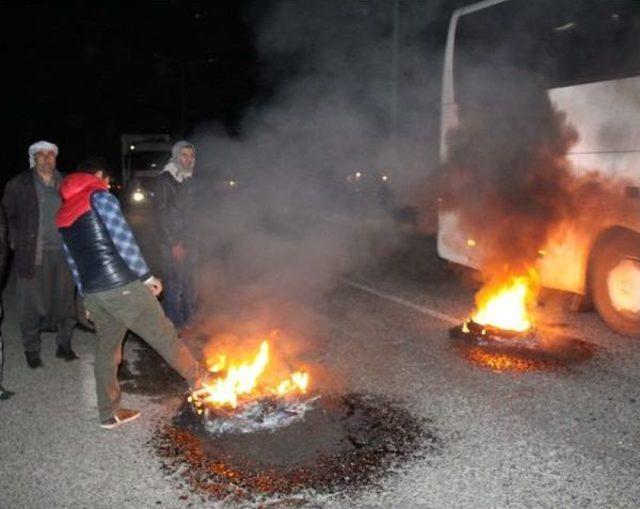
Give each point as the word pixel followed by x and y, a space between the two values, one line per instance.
pixel 137 196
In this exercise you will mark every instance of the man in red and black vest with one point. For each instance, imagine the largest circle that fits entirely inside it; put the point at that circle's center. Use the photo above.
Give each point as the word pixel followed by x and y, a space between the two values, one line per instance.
pixel 118 288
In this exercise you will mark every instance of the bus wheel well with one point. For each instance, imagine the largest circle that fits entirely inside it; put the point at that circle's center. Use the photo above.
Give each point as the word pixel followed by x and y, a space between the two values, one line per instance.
pixel 613 279
pixel 603 238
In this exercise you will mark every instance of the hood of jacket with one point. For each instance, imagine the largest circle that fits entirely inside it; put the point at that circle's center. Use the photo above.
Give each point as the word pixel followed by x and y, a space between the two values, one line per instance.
pixel 76 190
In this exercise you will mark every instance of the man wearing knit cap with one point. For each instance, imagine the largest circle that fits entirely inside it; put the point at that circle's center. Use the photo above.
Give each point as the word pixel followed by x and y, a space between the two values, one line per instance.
pixel 45 290
pixel 172 203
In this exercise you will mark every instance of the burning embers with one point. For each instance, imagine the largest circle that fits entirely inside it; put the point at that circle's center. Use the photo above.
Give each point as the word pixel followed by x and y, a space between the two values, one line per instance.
pixel 503 310
pixel 245 397
pixel 345 443
pixel 502 334
pixel 256 432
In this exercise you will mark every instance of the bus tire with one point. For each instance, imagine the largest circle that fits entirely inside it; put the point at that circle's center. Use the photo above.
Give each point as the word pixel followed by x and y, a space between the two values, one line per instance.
pixel 615 281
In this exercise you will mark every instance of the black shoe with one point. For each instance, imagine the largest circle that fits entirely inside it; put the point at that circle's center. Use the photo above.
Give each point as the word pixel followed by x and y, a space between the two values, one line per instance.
pixel 66 352
pixel 33 359
pixel 5 394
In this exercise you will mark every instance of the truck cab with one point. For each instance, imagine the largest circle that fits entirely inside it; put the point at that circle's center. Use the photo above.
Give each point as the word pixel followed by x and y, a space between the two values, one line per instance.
pixel 143 157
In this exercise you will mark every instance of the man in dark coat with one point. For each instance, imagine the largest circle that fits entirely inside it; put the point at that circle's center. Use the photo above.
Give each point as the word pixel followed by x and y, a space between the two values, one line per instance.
pixel 172 203
pixel 118 288
pixel 45 292
pixel 4 393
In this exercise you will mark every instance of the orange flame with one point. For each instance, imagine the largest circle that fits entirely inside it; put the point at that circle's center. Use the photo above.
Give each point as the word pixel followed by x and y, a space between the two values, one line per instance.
pixel 218 364
pixel 507 305
pixel 244 379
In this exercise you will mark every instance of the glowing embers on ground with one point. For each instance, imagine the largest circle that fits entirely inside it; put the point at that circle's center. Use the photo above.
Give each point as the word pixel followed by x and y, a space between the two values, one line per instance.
pixel 245 397
pixel 548 351
pixel 345 443
pixel 504 359
pixel 501 334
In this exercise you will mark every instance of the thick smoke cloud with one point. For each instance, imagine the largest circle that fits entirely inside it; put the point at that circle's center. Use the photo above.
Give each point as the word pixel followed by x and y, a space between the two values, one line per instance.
pixel 294 224
pixel 509 176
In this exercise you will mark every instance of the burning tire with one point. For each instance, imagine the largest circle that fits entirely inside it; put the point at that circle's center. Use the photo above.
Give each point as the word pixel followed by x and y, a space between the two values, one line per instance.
pixel 615 281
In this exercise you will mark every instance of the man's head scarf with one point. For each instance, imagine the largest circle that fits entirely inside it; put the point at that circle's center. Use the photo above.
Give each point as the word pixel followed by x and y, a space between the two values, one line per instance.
pixel 174 166
pixel 41 146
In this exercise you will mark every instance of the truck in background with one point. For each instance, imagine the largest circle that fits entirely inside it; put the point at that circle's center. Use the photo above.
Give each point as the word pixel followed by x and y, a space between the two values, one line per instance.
pixel 143 157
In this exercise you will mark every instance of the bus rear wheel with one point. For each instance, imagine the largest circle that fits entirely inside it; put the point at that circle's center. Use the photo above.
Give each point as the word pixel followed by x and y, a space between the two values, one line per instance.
pixel 615 282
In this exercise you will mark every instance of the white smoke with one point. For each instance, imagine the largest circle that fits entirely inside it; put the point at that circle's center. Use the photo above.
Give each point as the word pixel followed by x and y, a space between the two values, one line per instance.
pixel 293 223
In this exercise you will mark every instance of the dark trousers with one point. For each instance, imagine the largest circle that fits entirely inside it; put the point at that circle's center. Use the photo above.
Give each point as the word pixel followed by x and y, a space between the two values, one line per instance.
pixel 132 307
pixel 47 301
pixel 1 354
pixel 179 295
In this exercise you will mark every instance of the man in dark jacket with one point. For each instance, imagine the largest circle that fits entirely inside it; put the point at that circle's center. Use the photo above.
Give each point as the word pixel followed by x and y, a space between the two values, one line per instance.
pixel 4 393
pixel 172 203
pixel 45 293
pixel 118 288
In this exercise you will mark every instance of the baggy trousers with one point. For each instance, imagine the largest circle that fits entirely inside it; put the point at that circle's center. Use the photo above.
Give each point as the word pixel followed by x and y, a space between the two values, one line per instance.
pixel 133 307
pixel 46 301
pixel 1 352
pixel 179 296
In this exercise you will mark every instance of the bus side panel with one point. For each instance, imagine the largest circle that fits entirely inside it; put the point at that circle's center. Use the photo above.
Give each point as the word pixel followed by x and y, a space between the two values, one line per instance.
pixel 606 116
pixel 453 242
pixel 563 260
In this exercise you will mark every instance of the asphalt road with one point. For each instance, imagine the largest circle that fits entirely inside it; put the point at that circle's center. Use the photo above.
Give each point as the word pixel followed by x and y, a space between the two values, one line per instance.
pixel 534 436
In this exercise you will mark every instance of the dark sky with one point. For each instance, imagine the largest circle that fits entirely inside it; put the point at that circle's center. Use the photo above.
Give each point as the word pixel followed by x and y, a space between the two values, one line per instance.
pixel 80 75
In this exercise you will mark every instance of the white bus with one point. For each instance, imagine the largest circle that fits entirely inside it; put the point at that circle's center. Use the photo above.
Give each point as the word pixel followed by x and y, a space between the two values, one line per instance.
pixel 587 54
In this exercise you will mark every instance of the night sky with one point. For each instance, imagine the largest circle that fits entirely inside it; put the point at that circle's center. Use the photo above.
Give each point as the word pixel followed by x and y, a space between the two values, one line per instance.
pixel 81 75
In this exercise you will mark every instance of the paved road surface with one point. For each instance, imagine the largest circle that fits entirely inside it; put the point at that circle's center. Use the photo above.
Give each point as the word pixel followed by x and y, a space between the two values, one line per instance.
pixel 535 438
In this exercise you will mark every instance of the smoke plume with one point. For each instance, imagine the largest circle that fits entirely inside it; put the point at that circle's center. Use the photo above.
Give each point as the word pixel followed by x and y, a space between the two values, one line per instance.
pixel 301 198
pixel 509 176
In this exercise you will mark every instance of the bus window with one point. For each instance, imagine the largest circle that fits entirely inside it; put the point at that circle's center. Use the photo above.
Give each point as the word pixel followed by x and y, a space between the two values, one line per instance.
pixel 554 43
pixel 599 42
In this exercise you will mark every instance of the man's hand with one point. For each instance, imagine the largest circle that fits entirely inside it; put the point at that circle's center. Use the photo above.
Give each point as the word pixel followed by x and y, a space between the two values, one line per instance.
pixel 155 285
pixel 178 252
pixel 87 315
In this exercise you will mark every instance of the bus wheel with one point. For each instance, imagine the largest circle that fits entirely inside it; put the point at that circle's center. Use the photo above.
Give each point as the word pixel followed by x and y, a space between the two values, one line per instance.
pixel 615 282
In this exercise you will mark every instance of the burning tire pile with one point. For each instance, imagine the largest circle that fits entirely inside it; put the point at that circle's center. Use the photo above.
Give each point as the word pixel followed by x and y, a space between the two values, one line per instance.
pixel 501 335
pixel 341 444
